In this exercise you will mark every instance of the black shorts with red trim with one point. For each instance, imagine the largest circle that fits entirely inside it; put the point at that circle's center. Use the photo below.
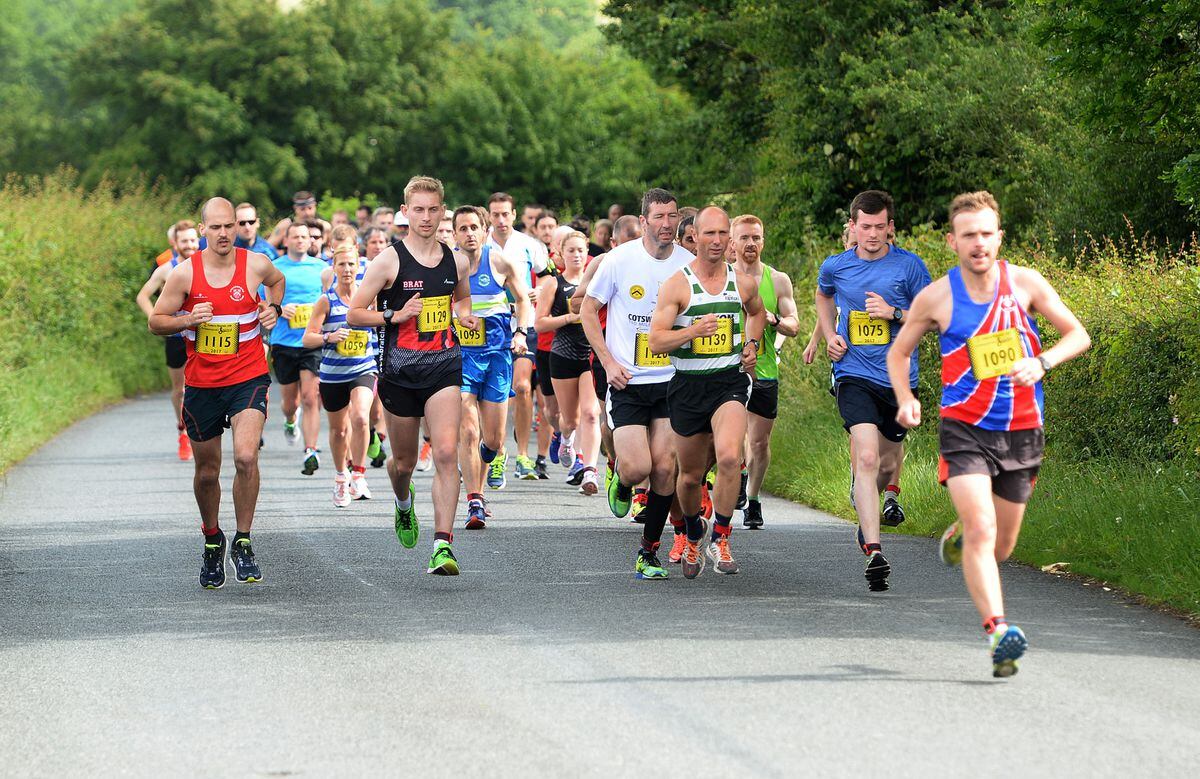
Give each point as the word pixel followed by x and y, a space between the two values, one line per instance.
pixel 208 411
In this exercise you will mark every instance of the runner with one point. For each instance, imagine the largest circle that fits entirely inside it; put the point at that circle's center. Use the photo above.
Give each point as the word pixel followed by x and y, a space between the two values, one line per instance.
pixel 211 298
pixel 862 298
pixel 544 227
pixel 628 283
pixel 185 242
pixel 992 413
pixel 445 231
pixel 376 240
pixel 775 289
pixel 686 235
pixel 570 355
pixel 316 246
pixel 698 321
pixel 297 368
pixel 347 374
pixel 414 284
pixel 529 216
pixel 522 250
pixel 487 358
pixel 247 232
pixel 304 208
pixel 399 226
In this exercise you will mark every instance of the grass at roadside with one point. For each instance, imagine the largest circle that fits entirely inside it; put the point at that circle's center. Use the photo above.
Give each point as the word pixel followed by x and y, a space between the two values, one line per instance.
pixel 1134 525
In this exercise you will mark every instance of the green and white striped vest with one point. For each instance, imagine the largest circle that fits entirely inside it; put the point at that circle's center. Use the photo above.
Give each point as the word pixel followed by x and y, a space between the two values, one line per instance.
pixel 723 349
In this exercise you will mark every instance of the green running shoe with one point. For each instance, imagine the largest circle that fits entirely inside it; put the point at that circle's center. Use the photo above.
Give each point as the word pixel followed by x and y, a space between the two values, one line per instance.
pixel 374 447
pixel 950 549
pixel 496 478
pixel 648 566
pixel 407 529
pixel 609 475
pixel 443 562
pixel 526 471
pixel 618 506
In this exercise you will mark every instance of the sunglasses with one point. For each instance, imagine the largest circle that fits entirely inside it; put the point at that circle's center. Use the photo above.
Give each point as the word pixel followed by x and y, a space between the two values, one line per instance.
pixel 247 222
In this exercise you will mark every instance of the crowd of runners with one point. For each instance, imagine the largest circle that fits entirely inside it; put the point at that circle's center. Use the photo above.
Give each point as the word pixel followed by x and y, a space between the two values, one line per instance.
pixel 648 343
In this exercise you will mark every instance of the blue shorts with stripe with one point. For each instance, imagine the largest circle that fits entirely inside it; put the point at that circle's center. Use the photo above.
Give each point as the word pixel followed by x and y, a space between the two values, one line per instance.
pixel 487 374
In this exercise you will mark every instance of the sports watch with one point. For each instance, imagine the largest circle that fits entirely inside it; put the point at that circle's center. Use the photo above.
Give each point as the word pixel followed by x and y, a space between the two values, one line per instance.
pixel 1045 363
pixel 897 313
pixel 387 316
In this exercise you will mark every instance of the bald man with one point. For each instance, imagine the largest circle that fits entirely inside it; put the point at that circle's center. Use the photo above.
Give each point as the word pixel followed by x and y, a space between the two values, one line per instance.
pixel 211 298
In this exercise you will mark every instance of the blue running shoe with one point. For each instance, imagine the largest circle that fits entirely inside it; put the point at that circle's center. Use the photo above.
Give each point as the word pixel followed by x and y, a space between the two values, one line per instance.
pixel 495 477
pixel 1007 648
pixel 575 473
pixel 555 442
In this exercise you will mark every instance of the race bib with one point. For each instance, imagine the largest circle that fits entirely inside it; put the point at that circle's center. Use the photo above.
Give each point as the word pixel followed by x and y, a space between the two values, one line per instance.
pixel 435 314
pixel 643 357
pixel 300 317
pixel 719 343
pixel 469 337
pixel 355 344
pixel 865 331
pixel 217 337
pixel 993 354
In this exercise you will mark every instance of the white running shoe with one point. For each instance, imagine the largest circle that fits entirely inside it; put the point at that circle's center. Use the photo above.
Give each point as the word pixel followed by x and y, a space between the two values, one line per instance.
pixel 341 495
pixel 425 458
pixel 590 484
pixel 566 452
pixel 358 487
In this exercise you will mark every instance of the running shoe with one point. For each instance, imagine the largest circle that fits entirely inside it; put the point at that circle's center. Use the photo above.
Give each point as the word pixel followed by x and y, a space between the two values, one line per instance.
pixel 741 501
pixel 566 452
pixel 476 516
pixel 752 516
pixel 591 482
pixel 311 462
pixel 950 548
pixel 616 504
pixel 877 571
pixel 710 478
pixel 341 492
pixel 443 562
pixel 677 547
pixel 245 570
pixel 575 472
pixel 638 506
pixel 647 566
pixel 722 560
pixel 555 443
pixel 1007 647
pixel 893 512
pixel 291 433
pixel 706 505
pixel 539 468
pixel 358 486
pixel 374 447
pixel 525 470
pixel 425 458
pixel 692 560
pixel 609 475
pixel 185 447
pixel 212 567
pixel 407 529
pixel 487 510
pixel 496 478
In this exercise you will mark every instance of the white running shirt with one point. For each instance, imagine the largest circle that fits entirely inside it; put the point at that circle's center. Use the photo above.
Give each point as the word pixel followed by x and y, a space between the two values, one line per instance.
pixel 628 283
pixel 523 248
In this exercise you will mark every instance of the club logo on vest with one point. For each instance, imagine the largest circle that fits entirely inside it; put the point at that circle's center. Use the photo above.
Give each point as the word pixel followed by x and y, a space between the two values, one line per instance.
pixel 236 294
pixel 484 280
pixel 637 292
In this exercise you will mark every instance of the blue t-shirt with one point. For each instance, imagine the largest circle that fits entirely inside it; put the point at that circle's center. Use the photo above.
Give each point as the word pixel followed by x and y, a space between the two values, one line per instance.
pixel 897 277
pixel 303 288
pixel 260 245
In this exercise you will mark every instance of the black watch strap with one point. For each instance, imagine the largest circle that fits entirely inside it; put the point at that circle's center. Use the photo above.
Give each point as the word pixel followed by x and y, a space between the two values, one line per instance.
pixel 278 309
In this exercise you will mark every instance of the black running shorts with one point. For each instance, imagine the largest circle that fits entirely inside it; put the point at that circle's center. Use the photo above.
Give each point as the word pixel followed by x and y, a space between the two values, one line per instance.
pixel 410 401
pixel 176 352
pixel 566 368
pixel 288 361
pixel 543 373
pixel 764 400
pixel 863 402
pixel 207 411
pixel 693 399
pixel 1011 457
pixel 637 404
pixel 600 380
pixel 335 396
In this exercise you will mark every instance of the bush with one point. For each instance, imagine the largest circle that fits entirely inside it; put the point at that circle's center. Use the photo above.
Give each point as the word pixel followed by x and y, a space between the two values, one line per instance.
pixel 72 339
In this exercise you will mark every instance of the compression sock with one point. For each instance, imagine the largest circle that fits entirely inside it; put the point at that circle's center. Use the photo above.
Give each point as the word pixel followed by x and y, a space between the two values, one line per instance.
pixel 486 453
pixel 695 528
pixel 654 516
pixel 721 526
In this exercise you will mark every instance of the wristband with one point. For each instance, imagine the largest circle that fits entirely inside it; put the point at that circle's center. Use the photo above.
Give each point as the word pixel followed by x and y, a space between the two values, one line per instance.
pixel 278 309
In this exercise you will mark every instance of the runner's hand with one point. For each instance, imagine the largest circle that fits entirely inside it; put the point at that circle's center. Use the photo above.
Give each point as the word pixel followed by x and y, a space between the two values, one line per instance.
pixel 533 294
pixel 909 415
pixel 618 377
pixel 749 358
pixel 836 348
pixel 1027 372
pixel 772 320
pixel 201 312
pixel 519 344
pixel 878 308
pixel 289 311
pixel 470 322
pixel 339 335
pixel 266 315
pixel 705 325
pixel 810 352
pixel 413 308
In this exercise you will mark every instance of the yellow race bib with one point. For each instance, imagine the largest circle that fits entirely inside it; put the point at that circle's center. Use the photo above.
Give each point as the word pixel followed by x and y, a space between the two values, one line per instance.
pixel 469 337
pixel 865 331
pixel 993 354
pixel 719 343
pixel 643 357
pixel 217 337
pixel 300 317
pixel 355 344
pixel 435 314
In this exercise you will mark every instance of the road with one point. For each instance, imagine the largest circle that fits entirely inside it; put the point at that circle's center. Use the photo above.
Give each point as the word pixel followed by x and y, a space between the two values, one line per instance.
pixel 545 657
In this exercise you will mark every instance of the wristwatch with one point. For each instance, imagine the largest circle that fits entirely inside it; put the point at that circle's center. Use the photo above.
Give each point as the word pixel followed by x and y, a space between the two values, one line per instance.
pixel 387 316
pixel 897 314
pixel 520 330
pixel 1045 363
pixel 753 341
pixel 278 309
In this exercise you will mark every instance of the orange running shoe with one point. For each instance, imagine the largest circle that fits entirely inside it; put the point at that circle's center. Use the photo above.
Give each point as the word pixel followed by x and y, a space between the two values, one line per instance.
pixel 185 447
pixel 692 561
pixel 706 507
pixel 722 560
pixel 676 553
pixel 425 458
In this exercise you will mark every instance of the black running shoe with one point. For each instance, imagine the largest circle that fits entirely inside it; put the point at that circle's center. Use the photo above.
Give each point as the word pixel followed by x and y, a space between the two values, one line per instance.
pixel 752 516
pixel 539 467
pixel 877 572
pixel 212 569
pixel 741 501
pixel 893 513
pixel 245 570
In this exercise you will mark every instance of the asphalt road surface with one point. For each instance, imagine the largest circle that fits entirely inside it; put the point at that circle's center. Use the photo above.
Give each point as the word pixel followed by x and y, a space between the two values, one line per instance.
pixel 545 657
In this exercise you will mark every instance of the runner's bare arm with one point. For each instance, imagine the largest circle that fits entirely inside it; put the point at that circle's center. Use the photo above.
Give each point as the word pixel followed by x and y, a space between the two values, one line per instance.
pixel 381 272
pixel 273 279
pixel 814 340
pixel 515 284
pixel 163 320
pixel 153 284
pixel 1044 299
pixel 279 233
pixel 589 317
pixel 313 338
pixel 576 301
pixel 672 299
pixel 835 345
pixel 544 322
pixel 788 322
pixel 922 317
pixel 462 293
pixel 756 320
